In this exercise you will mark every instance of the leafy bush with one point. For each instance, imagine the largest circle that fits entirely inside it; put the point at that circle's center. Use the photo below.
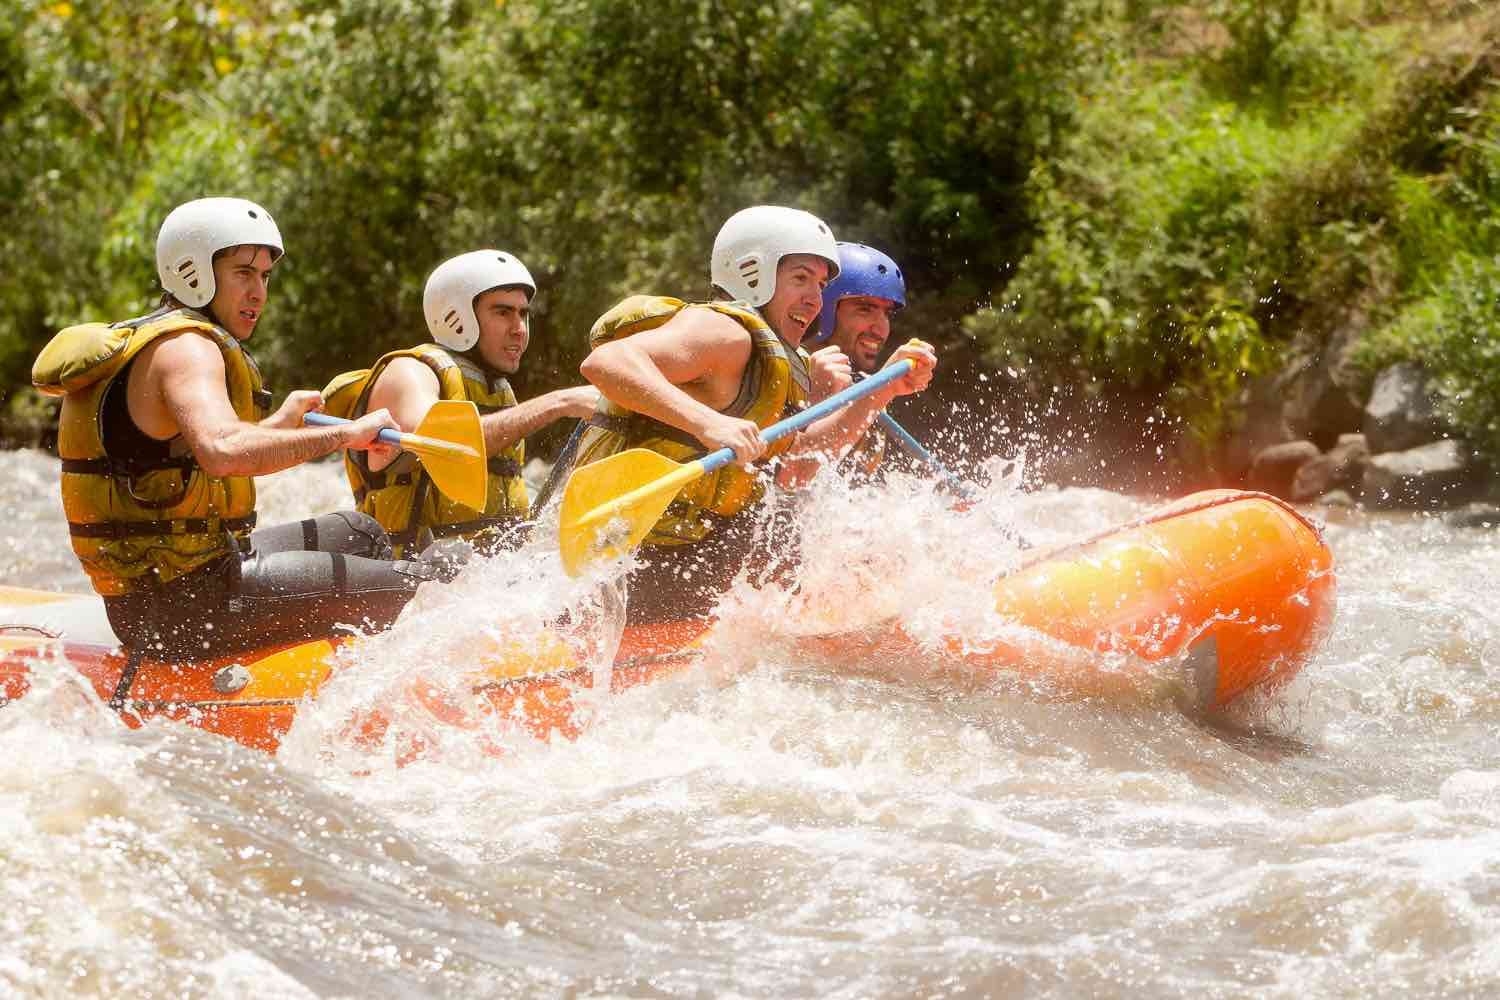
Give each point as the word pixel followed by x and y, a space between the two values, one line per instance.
pixel 1454 333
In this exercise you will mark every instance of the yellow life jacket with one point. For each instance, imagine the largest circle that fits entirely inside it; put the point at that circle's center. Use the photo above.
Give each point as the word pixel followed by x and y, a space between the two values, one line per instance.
pixel 401 496
pixel 775 384
pixel 141 520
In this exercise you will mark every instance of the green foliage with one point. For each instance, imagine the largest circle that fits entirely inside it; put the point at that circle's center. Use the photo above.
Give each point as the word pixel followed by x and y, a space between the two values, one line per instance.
pixel 1143 275
pixel 1454 333
pixel 1153 196
pixel 1196 222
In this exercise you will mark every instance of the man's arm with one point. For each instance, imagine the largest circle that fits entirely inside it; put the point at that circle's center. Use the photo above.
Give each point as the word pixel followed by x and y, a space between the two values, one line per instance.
pixel 505 427
pixel 408 388
pixel 680 374
pixel 833 435
pixel 177 386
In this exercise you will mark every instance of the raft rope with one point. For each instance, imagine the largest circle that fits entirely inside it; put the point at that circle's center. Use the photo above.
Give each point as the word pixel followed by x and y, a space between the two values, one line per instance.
pixel 45 633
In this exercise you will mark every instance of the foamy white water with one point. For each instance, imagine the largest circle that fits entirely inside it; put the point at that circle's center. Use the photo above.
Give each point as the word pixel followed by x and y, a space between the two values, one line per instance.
pixel 772 825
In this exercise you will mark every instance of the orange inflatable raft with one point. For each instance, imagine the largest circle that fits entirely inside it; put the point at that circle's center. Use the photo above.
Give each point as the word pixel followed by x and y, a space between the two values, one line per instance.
pixel 1233 590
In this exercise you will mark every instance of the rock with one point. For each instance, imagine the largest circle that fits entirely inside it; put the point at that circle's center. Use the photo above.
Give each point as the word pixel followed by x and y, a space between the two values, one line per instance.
pixel 1274 468
pixel 1343 467
pixel 1260 424
pixel 1337 498
pixel 1434 475
pixel 1474 515
pixel 1323 396
pixel 1402 412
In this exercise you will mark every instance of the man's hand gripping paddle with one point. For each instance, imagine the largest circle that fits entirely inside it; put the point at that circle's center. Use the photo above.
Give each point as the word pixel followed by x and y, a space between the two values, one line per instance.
pixel 636 486
pixel 450 443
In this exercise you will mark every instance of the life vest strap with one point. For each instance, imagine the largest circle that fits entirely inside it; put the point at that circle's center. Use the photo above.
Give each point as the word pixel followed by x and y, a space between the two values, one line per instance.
pixel 127 467
pixel 380 480
pixel 502 466
pixel 181 526
pixel 617 424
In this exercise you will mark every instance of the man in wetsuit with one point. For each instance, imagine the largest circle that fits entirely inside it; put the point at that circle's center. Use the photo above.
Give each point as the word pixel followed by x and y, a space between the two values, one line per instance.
pixel 163 428
pixel 681 379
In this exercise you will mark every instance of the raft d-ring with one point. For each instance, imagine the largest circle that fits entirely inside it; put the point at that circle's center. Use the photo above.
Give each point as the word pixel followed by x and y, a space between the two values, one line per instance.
pixel 231 679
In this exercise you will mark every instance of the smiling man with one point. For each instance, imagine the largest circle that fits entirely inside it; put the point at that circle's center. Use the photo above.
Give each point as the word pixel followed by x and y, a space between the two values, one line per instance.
pixel 859 304
pixel 858 307
pixel 682 379
pixel 163 429
pixel 478 309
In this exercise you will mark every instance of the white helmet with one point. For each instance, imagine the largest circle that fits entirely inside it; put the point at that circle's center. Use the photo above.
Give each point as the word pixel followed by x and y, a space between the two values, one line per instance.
pixel 448 300
pixel 196 230
pixel 751 244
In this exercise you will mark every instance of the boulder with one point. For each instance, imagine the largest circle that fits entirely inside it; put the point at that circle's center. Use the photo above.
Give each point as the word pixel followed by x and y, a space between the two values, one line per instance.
pixel 1337 498
pixel 1402 412
pixel 1441 474
pixel 1323 395
pixel 1260 425
pixel 1341 468
pixel 1275 467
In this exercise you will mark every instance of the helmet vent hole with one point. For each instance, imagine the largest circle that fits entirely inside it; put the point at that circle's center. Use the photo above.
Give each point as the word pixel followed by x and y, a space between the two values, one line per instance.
pixel 750 272
pixel 252 214
pixel 188 272
pixel 452 321
pixel 881 268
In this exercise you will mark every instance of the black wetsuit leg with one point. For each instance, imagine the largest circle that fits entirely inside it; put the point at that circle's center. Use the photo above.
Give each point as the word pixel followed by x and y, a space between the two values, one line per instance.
pixel 299 581
pixel 680 582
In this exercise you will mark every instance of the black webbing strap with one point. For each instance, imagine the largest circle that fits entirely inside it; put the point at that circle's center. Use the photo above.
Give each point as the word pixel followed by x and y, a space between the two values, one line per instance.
pixel 181 526
pixel 499 466
pixel 622 425
pixel 127 467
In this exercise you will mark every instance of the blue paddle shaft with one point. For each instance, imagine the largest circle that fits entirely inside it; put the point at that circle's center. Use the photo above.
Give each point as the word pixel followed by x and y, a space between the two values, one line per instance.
pixel 387 435
pixel 782 428
pixel 914 448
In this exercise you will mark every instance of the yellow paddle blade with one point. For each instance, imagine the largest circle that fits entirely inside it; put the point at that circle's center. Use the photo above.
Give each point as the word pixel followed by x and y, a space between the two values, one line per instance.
pixel 610 505
pixel 450 443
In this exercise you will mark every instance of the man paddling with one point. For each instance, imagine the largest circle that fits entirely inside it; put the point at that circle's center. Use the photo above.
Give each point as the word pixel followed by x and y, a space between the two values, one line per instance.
pixel 858 307
pixel 679 378
pixel 163 429
pixel 478 309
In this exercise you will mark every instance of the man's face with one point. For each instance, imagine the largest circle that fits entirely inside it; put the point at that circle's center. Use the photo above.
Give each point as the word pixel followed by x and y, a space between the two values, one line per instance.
pixel 504 327
pixel 242 276
pixel 862 324
pixel 800 280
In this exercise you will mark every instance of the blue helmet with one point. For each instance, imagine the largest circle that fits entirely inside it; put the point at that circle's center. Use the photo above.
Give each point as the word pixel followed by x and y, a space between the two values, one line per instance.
pixel 862 271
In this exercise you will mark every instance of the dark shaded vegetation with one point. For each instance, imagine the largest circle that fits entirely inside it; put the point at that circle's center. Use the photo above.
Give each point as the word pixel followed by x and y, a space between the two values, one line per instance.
pixel 1116 210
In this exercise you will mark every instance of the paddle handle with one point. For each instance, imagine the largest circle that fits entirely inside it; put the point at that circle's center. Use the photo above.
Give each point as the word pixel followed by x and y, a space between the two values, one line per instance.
pixel 782 428
pixel 324 420
pixel 409 442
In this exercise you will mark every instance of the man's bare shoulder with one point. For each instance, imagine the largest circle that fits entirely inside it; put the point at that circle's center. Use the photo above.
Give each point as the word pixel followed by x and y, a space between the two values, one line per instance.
pixel 404 381
pixel 183 353
pixel 407 371
pixel 706 328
